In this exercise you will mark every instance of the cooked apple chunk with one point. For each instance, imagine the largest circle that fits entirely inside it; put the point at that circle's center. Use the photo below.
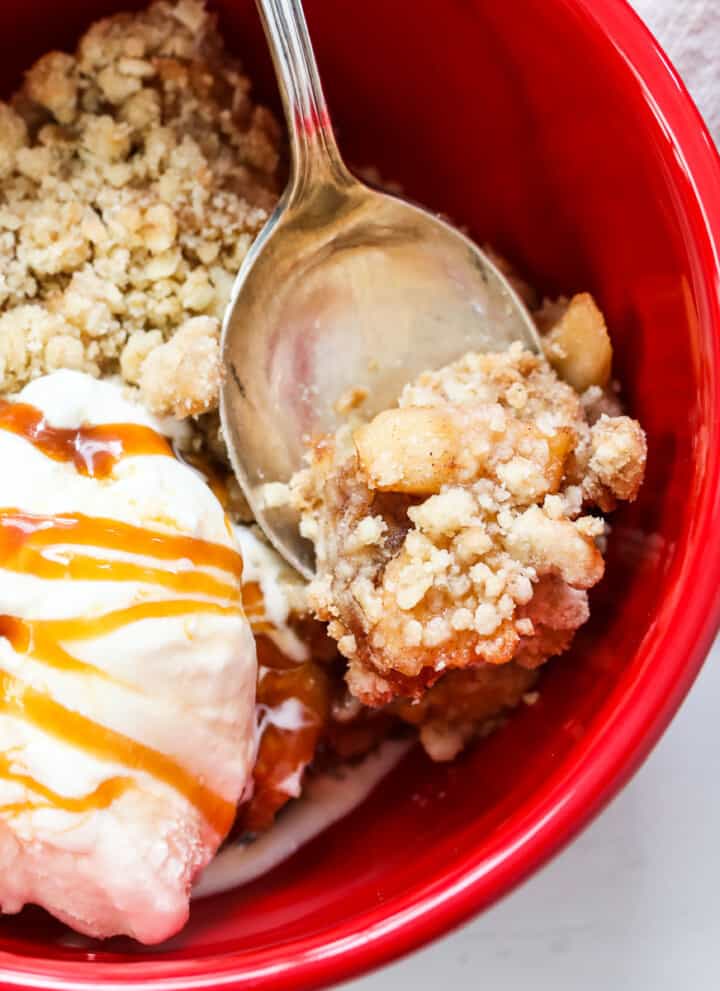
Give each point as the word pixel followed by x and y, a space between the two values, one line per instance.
pixel 577 344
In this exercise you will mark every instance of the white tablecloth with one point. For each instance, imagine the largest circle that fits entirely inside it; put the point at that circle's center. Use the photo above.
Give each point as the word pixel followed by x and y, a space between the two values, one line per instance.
pixel 689 31
pixel 634 903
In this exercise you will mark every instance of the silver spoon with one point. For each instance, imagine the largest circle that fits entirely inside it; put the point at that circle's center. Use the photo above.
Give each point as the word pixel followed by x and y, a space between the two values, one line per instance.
pixel 345 289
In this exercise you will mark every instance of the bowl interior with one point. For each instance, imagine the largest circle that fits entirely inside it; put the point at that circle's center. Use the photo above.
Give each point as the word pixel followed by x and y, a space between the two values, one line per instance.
pixel 562 164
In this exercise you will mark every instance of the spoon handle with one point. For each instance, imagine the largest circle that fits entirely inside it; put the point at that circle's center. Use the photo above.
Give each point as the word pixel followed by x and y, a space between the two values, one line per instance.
pixel 314 153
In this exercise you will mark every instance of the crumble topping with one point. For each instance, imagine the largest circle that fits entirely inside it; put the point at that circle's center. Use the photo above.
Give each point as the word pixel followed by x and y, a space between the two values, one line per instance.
pixel 135 174
pixel 455 530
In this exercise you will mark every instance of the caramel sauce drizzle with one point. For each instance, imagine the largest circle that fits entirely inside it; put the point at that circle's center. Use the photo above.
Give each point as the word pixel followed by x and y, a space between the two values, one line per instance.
pixel 41 638
pixel 19 699
pixel 46 546
pixel 25 540
pixel 99 798
pixel 28 637
pixel 254 606
pixel 93 450
pixel 79 567
pixel 20 530
pixel 96 626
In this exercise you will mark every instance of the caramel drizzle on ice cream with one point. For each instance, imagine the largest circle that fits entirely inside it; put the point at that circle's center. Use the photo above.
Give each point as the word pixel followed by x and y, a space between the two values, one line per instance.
pixel 254 606
pixel 41 546
pixel 75 528
pixel 41 638
pixel 19 699
pixel 45 546
pixel 204 575
pixel 44 639
pixel 93 450
pixel 99 798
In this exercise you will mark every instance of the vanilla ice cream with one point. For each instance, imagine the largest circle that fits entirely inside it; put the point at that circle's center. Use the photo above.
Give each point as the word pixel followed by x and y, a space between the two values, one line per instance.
pixel 127 666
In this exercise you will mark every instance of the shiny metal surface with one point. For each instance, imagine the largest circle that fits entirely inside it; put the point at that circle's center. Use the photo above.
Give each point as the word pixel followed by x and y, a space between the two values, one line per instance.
pixel 344 288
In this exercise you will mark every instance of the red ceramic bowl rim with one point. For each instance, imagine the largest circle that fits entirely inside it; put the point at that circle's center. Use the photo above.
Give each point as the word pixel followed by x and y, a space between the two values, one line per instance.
pixel 610 752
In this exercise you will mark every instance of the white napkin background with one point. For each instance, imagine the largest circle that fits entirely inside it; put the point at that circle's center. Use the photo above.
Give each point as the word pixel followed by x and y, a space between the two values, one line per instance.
pixel 689 31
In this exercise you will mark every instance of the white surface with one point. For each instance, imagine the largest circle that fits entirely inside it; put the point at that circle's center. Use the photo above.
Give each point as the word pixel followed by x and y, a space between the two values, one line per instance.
pixel 634 903
pixel 689 31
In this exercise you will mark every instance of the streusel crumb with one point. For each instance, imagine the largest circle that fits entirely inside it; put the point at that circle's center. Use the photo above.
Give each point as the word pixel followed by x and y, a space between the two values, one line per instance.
pixel 135 174
pixel 454 531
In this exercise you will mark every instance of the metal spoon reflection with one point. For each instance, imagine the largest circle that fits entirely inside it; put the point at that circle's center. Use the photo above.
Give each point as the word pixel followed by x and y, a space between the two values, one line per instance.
pixel 345 287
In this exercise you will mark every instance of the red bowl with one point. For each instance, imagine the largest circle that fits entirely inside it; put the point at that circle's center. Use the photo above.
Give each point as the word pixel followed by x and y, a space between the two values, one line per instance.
pixel 556 130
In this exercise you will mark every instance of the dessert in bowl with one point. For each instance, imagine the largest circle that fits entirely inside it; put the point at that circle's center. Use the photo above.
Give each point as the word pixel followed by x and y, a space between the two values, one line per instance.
pixel 518 767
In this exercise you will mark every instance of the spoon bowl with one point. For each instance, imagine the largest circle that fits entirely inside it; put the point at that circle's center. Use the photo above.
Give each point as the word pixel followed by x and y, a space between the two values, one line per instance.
pixel 346 296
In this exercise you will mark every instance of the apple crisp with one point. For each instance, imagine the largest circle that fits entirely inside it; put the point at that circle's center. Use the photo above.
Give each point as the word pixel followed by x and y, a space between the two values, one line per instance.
pixel 459 530
pixel 135 174
pixel 457 534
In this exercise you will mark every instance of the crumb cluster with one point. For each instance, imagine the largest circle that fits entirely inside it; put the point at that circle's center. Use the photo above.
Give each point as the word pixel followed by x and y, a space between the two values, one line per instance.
pixel 134 175
pixel 455 530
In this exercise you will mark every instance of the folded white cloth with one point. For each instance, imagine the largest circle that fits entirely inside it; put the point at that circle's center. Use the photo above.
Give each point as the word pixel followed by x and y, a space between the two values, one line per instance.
pixel 689 31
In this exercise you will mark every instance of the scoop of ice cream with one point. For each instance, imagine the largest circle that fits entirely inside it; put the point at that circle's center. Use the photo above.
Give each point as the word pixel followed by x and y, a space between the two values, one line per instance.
pixel 127 665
